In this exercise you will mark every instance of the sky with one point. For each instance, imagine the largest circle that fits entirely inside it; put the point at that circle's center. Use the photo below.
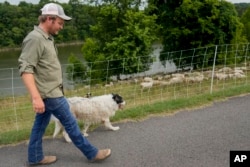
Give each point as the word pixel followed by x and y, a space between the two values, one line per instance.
pixel 239 1
pixel 16 2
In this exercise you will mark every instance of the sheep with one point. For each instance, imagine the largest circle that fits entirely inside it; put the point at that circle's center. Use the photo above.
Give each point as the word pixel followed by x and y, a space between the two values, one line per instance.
pixel 240 68
pixel 225 69
pixel 221 76
pixel 238 71
pixel 156 82
pixel 148 79
pixel 239 75
pixel 176 80
pixel 198 78
pixel 208 74
pixel 147 85
pixel 178 75
pixel 109 85
pixel 163 83
pixel 167 76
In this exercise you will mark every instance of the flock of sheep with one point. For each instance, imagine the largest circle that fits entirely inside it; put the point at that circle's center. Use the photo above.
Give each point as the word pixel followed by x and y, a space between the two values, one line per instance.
pixel 192 77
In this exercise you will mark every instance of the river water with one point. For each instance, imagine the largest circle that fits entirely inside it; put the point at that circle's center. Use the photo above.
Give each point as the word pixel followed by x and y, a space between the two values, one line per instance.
pixel 8 59
pixel 11 83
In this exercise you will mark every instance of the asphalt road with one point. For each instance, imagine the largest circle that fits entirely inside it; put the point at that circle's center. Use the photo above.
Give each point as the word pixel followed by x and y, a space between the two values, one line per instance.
pixel 197 138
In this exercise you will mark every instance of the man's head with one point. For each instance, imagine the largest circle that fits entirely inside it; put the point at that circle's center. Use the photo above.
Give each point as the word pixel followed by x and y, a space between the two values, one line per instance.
pixel 54 9
pixel 52 18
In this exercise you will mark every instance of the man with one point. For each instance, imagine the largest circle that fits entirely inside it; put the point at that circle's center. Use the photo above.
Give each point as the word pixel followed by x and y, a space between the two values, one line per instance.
pixel 41 73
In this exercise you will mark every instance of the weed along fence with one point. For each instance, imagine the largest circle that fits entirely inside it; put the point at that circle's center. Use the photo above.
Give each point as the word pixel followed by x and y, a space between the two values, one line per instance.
pixel 142 82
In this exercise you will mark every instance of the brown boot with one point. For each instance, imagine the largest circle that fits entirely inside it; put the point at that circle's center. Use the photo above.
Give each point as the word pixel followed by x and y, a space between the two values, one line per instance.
pixel 102 155
pixel 46 161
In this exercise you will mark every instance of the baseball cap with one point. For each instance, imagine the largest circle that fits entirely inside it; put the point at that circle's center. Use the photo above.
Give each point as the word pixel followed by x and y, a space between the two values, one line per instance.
pixel 54 9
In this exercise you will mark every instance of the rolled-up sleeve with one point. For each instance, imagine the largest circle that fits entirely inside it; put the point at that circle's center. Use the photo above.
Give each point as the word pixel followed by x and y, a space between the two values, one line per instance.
pixel 31 51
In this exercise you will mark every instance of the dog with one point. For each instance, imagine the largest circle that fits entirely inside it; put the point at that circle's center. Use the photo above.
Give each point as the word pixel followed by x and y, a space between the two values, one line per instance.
pixel 93 110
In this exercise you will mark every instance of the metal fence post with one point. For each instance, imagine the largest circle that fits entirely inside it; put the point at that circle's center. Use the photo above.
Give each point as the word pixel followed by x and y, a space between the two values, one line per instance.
pixel 212 79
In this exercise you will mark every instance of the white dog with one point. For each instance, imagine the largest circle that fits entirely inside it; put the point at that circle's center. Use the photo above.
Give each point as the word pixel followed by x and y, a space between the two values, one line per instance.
pixel 92 110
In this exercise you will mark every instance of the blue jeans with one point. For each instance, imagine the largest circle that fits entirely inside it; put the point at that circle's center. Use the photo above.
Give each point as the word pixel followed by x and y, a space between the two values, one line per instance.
pixel 59 107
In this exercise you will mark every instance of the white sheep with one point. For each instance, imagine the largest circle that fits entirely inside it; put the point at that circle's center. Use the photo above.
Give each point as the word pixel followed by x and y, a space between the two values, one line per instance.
pixel 176 80
pixel 198 78
pixel 178 75
pixel 148 79
pixel 156 82
pixel 167 76
pixel 163 83
pixel 146 85
pixel 221 76
pixel 238 71
pixel 239 75
pixel 109 85
pixel 225 69
pixel 240 68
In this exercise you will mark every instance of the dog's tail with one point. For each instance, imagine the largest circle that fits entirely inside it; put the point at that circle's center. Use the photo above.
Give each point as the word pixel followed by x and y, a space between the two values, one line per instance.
pixel 58 125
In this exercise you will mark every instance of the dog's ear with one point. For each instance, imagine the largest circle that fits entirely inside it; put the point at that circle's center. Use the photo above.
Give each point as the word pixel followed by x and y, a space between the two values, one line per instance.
pixel 88 95
pixel 114 97
pixel 117 98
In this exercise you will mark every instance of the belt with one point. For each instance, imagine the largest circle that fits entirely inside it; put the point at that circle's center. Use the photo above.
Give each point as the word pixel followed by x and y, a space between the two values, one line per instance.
pixel 61 87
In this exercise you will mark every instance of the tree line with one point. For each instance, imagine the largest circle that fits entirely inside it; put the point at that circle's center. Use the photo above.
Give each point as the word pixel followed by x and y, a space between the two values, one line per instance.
pixel 126 29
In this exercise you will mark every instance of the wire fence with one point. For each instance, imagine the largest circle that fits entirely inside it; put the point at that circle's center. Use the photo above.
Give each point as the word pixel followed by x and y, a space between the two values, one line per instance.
pixel 180 74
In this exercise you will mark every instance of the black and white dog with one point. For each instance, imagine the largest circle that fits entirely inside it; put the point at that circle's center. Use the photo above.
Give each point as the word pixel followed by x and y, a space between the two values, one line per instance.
pixel 93 110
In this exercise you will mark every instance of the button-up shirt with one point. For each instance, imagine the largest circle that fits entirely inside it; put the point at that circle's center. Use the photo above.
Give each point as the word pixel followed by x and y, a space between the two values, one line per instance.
pixel 39 56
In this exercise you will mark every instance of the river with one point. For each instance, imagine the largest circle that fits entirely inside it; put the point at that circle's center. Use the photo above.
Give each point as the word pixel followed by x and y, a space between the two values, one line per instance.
pixel 10 81
pixel 8 58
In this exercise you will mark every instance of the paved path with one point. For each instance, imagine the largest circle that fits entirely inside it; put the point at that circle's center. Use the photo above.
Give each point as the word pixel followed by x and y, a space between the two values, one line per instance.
pixel 197 138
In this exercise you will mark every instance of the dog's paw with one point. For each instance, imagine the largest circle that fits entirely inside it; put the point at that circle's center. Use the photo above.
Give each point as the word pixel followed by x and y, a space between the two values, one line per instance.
pixel 85 134
pixel 68 140
pixel 115 128
pixel 66 137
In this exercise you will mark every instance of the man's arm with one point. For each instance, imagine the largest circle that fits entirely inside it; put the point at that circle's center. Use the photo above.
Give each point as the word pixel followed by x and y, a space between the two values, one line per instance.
pixel 37 102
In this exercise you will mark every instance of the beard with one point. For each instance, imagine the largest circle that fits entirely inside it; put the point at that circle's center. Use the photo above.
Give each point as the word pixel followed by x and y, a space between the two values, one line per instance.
pixel 54 32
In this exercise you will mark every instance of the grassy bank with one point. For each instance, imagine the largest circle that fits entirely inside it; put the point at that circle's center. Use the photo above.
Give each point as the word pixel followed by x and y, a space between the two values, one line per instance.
pixel 139 112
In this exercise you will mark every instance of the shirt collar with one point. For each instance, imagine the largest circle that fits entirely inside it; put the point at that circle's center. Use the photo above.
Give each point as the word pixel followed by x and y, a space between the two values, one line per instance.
pixel 38 29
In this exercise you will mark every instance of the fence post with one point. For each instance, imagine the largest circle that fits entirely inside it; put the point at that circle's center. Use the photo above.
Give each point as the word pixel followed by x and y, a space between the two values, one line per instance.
pixel 212 79
pixel 107 78
pixel 72 75
pixel 193 59
pixel 246 62
pixel 13 97
pixel 204 59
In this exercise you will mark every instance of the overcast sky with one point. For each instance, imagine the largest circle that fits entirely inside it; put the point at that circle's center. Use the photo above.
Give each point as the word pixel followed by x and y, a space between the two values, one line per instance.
pixel 238 1
pixel 16 2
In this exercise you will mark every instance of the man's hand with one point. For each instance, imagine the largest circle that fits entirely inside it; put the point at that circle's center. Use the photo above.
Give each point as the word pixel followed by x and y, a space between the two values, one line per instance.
pixel 37 101
pixel 38 105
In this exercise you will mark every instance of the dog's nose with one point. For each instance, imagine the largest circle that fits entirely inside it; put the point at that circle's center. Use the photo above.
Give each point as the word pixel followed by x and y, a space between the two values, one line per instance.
pixel 122 104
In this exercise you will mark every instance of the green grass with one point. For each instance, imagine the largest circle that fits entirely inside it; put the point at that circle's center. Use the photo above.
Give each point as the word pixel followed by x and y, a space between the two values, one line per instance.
pixel 139 105
pixel 171 106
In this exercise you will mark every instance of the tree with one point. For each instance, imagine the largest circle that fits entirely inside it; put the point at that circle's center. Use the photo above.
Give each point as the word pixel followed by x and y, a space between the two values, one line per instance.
pixel 241 8
pixel 193 24
pixel 245 19
pixel 96 61
pixel 121 37
pixel 76 71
